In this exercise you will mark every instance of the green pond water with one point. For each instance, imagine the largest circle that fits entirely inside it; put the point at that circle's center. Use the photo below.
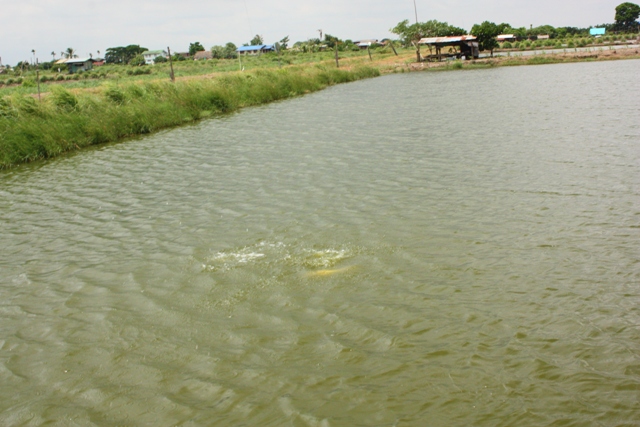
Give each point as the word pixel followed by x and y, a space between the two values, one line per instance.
pixel 444 249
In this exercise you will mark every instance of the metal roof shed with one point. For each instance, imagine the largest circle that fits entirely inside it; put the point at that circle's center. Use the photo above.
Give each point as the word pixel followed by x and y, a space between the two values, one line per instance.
pixel 460 46
pixel 79 64
pixel 256 49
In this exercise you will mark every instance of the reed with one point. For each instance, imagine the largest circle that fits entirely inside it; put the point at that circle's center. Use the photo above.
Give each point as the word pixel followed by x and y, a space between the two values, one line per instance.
pixel 71 119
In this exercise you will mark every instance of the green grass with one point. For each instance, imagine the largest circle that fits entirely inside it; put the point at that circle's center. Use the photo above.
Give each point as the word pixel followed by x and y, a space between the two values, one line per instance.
pixel 104 75
pixel 71 119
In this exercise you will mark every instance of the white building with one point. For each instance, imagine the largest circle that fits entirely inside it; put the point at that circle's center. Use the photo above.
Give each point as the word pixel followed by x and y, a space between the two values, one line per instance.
pixel 150 55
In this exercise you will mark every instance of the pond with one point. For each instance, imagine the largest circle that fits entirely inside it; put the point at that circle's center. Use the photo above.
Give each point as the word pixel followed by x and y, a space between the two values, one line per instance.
pixel 449 248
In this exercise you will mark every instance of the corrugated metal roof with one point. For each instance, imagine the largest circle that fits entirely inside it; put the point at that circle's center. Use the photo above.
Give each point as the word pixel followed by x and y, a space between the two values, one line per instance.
pixel 506 36
pixel 451 39
pixel 255 47
pixel 78 60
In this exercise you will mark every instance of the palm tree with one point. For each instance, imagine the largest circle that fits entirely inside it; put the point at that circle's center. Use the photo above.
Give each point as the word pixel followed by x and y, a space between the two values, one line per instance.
pixel 53 54
pixel 71 53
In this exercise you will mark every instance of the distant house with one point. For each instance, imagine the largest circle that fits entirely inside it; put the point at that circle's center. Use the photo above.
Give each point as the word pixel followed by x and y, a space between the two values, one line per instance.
pixel 75 65
pixel 543 37
pixel 98 62
pixel 506 38
pixel 150 55
pixel 597 31
pixel 366 43
pixel 256 49
pixel 203 54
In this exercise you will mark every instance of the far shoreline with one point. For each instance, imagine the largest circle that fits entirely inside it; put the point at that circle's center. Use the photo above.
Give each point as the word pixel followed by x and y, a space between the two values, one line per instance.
pixel 35 130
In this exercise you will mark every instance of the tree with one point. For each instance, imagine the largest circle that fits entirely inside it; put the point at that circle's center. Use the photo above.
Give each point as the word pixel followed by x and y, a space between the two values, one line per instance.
pixel 227 51
pixel 137 60
pixel 70 53
pixel 256 41
pixel 230 51
pixel 284 43
pixel 627 15
pixel 195 47
pixel 331 41
pixel 122 55
pixel 544 29
pixel 159 59
pixel 53 54
pixel 217 51
pixel 414 32
pixel 487 33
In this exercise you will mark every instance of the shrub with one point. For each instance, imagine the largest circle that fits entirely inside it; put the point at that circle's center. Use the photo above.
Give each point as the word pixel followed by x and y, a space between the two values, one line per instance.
pixel 7 109
pixel 507 45
pixel 19 80
pixel 135 91
pixel 59 77
pixel 28 82
pixel 28 105
pixel 137 60
pixel 63 99
pixel 115 94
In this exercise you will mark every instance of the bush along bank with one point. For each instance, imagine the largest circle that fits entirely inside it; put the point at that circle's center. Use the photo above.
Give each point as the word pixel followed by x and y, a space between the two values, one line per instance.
pixel 64 120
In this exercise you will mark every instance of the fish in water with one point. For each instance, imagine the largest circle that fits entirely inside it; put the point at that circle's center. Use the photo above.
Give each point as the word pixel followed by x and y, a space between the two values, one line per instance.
pixel 329 272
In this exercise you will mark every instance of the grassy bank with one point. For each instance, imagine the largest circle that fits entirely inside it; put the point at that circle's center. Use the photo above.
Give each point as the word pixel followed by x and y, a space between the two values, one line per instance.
pixel 66 119
pixel 79 113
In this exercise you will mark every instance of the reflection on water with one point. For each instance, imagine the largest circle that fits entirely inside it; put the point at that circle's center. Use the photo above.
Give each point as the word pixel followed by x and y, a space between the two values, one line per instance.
pixel 451 248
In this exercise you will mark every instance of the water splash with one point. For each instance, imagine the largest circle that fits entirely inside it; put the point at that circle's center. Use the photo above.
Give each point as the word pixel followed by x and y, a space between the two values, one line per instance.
pixel 279 253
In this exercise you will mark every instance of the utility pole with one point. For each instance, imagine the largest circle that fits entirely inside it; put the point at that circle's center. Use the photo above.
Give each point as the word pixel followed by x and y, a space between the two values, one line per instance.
pixel 417 45
pixel 173 77
pixel 38 80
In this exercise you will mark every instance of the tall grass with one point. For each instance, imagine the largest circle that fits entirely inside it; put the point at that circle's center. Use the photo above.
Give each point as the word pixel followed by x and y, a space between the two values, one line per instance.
pixel 66 119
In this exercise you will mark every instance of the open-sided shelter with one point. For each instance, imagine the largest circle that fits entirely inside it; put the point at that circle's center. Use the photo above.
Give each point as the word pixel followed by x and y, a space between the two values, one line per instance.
pixel 454 46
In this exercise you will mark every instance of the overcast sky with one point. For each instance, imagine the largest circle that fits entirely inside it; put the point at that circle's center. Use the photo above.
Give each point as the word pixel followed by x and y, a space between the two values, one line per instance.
pixel 89 26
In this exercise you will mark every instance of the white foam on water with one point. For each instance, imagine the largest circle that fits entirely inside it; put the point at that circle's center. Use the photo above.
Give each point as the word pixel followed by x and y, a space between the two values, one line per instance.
pixel 277 253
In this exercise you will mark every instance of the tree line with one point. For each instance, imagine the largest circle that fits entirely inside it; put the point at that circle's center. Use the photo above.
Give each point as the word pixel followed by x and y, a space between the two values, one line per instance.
pixel 625 20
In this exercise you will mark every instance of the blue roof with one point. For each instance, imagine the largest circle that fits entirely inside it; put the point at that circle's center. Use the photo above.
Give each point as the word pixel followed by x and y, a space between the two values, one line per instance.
pixel 597 31
pixel 256 47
